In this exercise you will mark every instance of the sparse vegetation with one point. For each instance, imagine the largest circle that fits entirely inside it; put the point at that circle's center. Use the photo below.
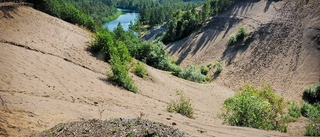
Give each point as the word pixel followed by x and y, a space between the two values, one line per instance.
pixel 256 108
pixel 218 67
pixel 232 39
pixel 293 113
pixel 120 59
pixel 311 109
pixel 313 127
pixel 140 70
pixel 313 114
pixel 182 106
pixel 312 95
pixel 240 38
pixel 191 73
pixel 204 69
pixel 294 110
pixel 152 54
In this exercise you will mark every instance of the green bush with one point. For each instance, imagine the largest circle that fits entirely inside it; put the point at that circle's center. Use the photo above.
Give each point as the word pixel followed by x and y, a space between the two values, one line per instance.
pixel 254 108
pixel 240 38
pixel 231 40
pixel 140 70
pixel 204 69
pixel 293 113
pixel 218 67
pixel 120 59
pixel 191 73
pixel 313 113
pixel 66 12
pixel 242 33
pixel 313 128
pixel 294 110
pixel 103 40
pixel 154 54
pixel 311 109
pixel 182 106
pixel 312 94
pixel 276 101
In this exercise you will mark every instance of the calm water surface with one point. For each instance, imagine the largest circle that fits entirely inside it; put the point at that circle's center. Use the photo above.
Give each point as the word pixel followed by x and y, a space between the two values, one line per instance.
pixel 124 19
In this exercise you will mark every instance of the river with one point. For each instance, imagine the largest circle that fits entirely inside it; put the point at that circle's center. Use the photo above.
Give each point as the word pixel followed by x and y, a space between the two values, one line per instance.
pixel 124 19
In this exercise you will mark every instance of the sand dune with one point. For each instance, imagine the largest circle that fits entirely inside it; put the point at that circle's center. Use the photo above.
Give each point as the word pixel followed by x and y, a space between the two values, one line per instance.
pixel 48 77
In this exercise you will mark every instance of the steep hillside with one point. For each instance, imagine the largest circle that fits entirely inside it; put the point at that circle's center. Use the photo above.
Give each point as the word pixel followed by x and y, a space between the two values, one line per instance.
pixel 47 77
pixel 284 49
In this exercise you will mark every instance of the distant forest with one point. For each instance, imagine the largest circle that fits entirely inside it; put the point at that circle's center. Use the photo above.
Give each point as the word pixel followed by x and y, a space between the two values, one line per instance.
pixel 182 16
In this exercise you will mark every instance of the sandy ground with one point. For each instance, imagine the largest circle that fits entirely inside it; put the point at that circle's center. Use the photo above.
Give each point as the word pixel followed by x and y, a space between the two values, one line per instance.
pixel 48 77
pixel 284 50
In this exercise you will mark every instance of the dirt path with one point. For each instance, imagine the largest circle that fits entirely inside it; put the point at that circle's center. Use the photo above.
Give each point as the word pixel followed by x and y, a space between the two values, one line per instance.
pixel 48 77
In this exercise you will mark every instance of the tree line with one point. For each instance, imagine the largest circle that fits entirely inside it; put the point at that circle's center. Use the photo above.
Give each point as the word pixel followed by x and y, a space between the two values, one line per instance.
pixel 185 22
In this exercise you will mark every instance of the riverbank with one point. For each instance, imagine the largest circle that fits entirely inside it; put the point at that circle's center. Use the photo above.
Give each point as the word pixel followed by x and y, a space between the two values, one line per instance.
pixel 113 17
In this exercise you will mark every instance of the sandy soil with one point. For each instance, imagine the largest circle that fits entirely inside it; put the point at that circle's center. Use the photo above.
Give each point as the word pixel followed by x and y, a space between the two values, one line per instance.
pixel 284 49
pixel 48 77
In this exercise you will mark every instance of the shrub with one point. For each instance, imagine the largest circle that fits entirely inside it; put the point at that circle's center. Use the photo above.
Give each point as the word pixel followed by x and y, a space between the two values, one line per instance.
pixel 254 108
pixel 231 40
pixel 191 73
pixel 153 54
pixel 293 113
pixel 120 59
pixel 103 40
pixel 311 109
pixel 276 101
pixel 242 33
pixel 182 106
pixel 313 128
pixel 218 67
pixel 240 38
pixel 204 70
pixel 140 70
pixel 294 110
pixel 312 95
pixel 313 113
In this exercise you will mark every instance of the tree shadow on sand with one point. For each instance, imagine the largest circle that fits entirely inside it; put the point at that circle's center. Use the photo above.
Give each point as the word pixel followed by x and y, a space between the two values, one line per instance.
pixel 209 33
pixel 232 50
pixel 7 9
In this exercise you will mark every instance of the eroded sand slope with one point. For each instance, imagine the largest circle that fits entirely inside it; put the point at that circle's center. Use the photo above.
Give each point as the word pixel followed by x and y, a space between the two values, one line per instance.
pixel 284 49
pixel 47 76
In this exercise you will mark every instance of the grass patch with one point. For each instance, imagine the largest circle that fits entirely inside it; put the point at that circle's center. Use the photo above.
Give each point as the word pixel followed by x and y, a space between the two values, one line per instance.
pixel 182 106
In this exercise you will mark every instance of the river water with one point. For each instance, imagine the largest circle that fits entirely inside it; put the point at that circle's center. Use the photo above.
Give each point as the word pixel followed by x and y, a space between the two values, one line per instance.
pixel 124 19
